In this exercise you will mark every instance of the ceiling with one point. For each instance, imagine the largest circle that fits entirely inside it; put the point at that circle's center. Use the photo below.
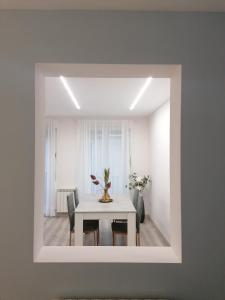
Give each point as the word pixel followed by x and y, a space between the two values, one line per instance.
pixel 104 96
pixel 142 5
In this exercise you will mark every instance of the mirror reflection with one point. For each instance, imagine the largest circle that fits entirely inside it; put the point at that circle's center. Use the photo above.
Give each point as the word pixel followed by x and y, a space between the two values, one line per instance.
pixel 107 161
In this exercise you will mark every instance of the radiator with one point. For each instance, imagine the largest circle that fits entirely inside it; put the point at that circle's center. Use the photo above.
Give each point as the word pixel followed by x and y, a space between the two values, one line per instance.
pixel 61 200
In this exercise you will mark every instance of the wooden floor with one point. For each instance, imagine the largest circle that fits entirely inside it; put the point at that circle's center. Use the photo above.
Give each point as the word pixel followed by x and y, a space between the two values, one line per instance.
pixel 56 233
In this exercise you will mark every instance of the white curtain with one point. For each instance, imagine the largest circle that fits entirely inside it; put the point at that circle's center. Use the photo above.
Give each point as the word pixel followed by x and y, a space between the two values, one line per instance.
pixel 104 144
pixel 50 168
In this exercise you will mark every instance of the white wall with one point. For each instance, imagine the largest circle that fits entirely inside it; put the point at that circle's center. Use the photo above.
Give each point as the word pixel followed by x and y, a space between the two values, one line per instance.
pixel 140 145
pixel 140 149
pixel 159 126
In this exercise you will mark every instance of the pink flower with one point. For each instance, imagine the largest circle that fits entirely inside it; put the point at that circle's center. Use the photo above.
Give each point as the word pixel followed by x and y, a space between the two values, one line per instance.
pixel 96 182
pixel 108 185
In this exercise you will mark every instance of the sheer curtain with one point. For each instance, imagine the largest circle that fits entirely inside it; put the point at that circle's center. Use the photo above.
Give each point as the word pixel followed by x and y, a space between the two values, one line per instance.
pixel 50 168
pixel 104 144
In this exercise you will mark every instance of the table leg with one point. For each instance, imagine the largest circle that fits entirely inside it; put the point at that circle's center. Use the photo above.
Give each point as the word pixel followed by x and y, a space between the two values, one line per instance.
pixel 131 229
pixel 78 229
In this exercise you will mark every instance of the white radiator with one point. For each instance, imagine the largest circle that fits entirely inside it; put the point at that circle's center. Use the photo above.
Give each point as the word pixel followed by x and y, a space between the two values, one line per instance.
pixel 61 200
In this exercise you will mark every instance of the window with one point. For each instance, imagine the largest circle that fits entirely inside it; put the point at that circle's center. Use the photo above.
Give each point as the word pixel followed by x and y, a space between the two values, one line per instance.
pixel 104 144
pixel 118 139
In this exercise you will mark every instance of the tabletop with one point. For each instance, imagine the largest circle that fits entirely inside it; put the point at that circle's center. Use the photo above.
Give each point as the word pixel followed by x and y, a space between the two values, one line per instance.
pixel 90 203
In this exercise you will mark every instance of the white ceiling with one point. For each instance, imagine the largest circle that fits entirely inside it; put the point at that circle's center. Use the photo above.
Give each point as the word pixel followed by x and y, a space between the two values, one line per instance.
pixel 104 96
pixel 143 5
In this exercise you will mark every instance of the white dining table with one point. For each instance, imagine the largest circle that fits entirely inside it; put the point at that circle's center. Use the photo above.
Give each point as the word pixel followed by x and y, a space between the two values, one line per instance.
pixel 89 208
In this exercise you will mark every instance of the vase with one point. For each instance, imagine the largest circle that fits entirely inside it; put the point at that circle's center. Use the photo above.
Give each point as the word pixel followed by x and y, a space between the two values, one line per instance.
pixel 106 196
pixel 142 205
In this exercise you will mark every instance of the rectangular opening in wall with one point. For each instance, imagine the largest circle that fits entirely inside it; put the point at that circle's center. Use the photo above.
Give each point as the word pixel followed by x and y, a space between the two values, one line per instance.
pixel 107 171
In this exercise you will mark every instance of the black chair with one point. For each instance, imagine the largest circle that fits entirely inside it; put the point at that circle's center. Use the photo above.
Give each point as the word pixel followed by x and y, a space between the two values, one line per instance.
pixel 121 227
pixel 143 211
pixel 134 199
pixel 76 197
pixel 88 225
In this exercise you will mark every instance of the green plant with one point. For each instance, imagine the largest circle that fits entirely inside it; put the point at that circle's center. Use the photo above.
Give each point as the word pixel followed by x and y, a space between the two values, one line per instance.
pixel 106 176
pixel 137 182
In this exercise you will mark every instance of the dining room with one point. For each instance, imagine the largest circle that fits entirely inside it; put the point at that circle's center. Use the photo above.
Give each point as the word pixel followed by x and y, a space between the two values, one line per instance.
pixel 107 172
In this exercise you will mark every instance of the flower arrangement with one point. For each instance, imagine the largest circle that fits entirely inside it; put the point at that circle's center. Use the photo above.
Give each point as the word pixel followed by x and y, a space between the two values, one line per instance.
pixel 137 182
pixel 105 187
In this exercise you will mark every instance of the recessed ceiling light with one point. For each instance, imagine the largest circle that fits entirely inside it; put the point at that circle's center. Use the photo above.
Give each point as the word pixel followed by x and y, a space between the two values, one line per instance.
pixel 69 91
pixel 141 92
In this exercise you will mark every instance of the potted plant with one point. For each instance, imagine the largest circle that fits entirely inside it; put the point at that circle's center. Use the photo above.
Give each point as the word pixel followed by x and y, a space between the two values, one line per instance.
pixel 107 184
pixel 139 183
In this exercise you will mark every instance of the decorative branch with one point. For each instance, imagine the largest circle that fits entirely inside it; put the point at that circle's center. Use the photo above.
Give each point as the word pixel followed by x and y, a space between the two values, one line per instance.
pixel 106 180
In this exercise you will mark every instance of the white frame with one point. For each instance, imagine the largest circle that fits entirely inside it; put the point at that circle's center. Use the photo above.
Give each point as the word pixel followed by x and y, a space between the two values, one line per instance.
pixel 129 254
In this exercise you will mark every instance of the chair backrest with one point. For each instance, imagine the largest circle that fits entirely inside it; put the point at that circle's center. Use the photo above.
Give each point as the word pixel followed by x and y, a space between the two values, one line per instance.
pixel 71 210
pixel 139 210
pixel 135 198
pixel 76 197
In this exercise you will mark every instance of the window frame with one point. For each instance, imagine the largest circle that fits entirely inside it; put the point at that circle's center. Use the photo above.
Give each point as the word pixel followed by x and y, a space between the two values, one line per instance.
pixel 112 254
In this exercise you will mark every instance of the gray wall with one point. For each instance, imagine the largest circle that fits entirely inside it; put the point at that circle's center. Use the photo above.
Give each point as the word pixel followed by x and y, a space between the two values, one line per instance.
pixel 194 40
